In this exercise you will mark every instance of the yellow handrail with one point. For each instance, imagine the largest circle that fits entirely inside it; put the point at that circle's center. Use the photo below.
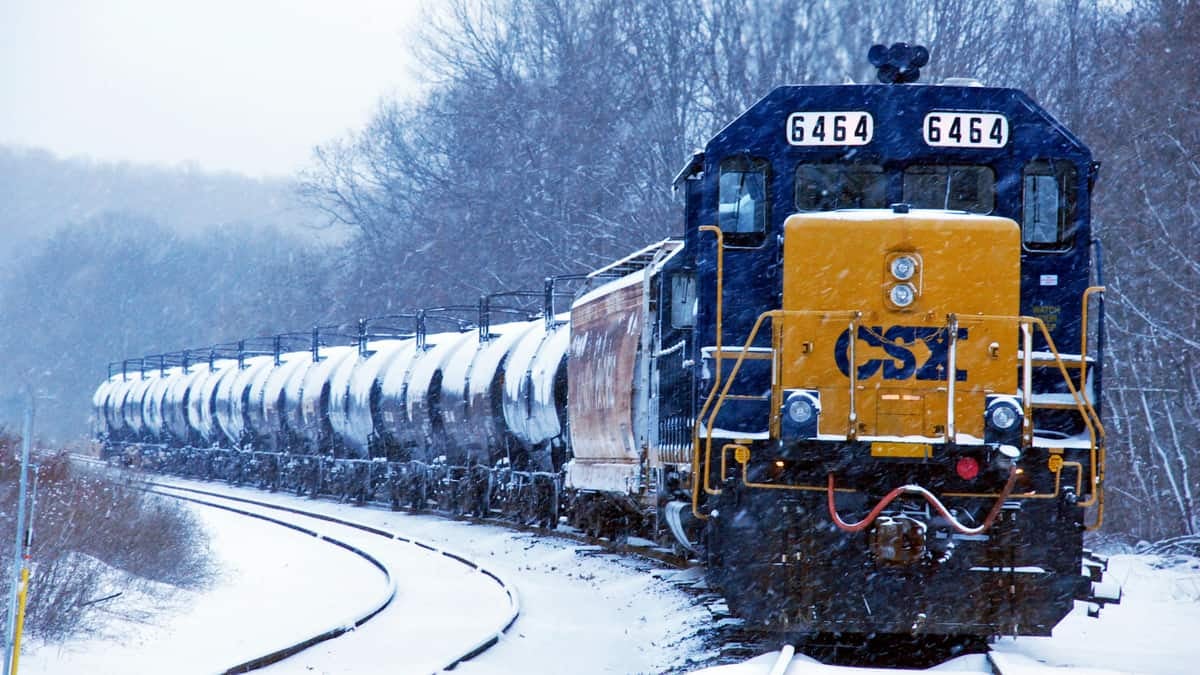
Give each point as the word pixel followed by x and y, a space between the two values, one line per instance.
pixel 1083 340
pixel 702 469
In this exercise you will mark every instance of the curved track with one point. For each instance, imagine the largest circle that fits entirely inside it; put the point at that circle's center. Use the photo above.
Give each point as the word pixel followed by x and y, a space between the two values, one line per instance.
pixel 341 627
pixel 383 556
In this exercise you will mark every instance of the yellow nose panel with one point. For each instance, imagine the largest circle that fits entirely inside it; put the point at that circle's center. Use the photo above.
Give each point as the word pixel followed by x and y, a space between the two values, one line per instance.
pixel 945 264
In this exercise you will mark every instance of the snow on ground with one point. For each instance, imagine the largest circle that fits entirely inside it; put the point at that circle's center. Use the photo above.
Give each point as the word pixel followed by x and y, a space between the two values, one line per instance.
pixel 271 586
pixel 1154 631
pixel 580 613
pixel 424 628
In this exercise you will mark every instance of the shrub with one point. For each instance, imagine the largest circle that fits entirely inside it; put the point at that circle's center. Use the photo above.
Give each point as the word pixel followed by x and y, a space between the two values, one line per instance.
pixel 94 535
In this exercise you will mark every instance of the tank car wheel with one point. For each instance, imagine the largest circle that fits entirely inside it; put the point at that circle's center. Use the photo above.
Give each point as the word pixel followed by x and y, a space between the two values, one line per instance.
pixel 547 504
pixel 478 492
pixel 416 490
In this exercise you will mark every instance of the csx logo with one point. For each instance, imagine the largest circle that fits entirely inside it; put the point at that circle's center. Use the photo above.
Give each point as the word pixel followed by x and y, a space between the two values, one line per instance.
pixel 920 351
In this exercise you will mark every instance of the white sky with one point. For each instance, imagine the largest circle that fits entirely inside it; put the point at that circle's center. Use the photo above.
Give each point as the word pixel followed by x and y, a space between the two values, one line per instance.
pixel 242 85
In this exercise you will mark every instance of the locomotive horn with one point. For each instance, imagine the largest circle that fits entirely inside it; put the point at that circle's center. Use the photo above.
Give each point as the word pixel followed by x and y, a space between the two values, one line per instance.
pixel 899 64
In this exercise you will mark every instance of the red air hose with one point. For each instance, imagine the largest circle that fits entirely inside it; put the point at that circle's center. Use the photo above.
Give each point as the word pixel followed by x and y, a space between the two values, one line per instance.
pixel 929 497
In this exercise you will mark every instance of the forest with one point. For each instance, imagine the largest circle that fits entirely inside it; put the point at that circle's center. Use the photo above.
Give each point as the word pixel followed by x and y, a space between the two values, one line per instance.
pixel 545 141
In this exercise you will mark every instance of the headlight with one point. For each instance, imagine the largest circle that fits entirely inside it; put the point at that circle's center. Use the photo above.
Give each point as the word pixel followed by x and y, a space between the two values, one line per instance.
pixel 902 295
pixel 1003 416
pixel 800 409
pixel 904 267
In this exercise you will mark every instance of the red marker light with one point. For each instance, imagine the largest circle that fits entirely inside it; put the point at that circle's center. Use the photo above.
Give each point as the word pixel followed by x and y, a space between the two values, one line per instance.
pixel 967 468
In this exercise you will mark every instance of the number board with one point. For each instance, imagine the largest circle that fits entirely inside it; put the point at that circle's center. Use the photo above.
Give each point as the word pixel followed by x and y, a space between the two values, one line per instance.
pixel 830 128
pixel 965 130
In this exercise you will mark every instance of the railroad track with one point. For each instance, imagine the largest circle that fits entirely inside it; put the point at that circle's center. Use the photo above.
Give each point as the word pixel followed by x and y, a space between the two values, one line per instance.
pixel 292 517
pixel 340 628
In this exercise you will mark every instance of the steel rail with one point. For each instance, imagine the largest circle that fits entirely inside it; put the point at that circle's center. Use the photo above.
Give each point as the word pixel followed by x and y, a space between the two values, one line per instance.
pixel 342 628
pixel 475 649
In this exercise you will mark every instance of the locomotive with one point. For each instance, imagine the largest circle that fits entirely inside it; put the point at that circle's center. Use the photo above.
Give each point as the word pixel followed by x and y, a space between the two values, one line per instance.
pixel 863 388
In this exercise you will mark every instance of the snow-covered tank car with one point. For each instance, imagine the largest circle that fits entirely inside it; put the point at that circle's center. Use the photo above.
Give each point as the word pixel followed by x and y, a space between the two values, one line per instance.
pixel 377 399
pixel 473 395
pixel 233 398
pixel 152 403
pixel 179 392
pixel 131 407
pixel 535 395
pixel 277 427
pixel 201 410
pixel 316 396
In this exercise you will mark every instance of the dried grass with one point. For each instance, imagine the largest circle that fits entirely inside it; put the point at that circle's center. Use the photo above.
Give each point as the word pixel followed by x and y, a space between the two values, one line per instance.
pixel 94 536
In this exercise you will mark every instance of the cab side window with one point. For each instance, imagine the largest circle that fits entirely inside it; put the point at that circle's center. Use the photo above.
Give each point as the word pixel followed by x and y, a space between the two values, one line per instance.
pixel 683 300
pixel 1048 205
pixel 742 209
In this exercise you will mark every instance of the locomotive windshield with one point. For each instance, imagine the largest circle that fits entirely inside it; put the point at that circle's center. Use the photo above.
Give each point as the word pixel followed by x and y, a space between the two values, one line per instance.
pixel 955 188
pixel 1047 207
pixel 828 187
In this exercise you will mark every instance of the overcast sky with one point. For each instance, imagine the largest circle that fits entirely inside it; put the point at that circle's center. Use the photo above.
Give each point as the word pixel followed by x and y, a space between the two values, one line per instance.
pixel 242 85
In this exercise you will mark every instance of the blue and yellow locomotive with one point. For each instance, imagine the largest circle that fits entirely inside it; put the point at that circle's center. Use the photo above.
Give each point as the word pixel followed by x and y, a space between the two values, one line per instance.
pixel 897 422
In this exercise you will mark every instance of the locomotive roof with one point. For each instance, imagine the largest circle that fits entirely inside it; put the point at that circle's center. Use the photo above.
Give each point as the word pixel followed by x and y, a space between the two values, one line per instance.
pixel 898 113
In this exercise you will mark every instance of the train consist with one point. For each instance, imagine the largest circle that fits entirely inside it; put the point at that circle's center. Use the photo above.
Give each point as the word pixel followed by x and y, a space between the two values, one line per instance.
pixel 863 387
